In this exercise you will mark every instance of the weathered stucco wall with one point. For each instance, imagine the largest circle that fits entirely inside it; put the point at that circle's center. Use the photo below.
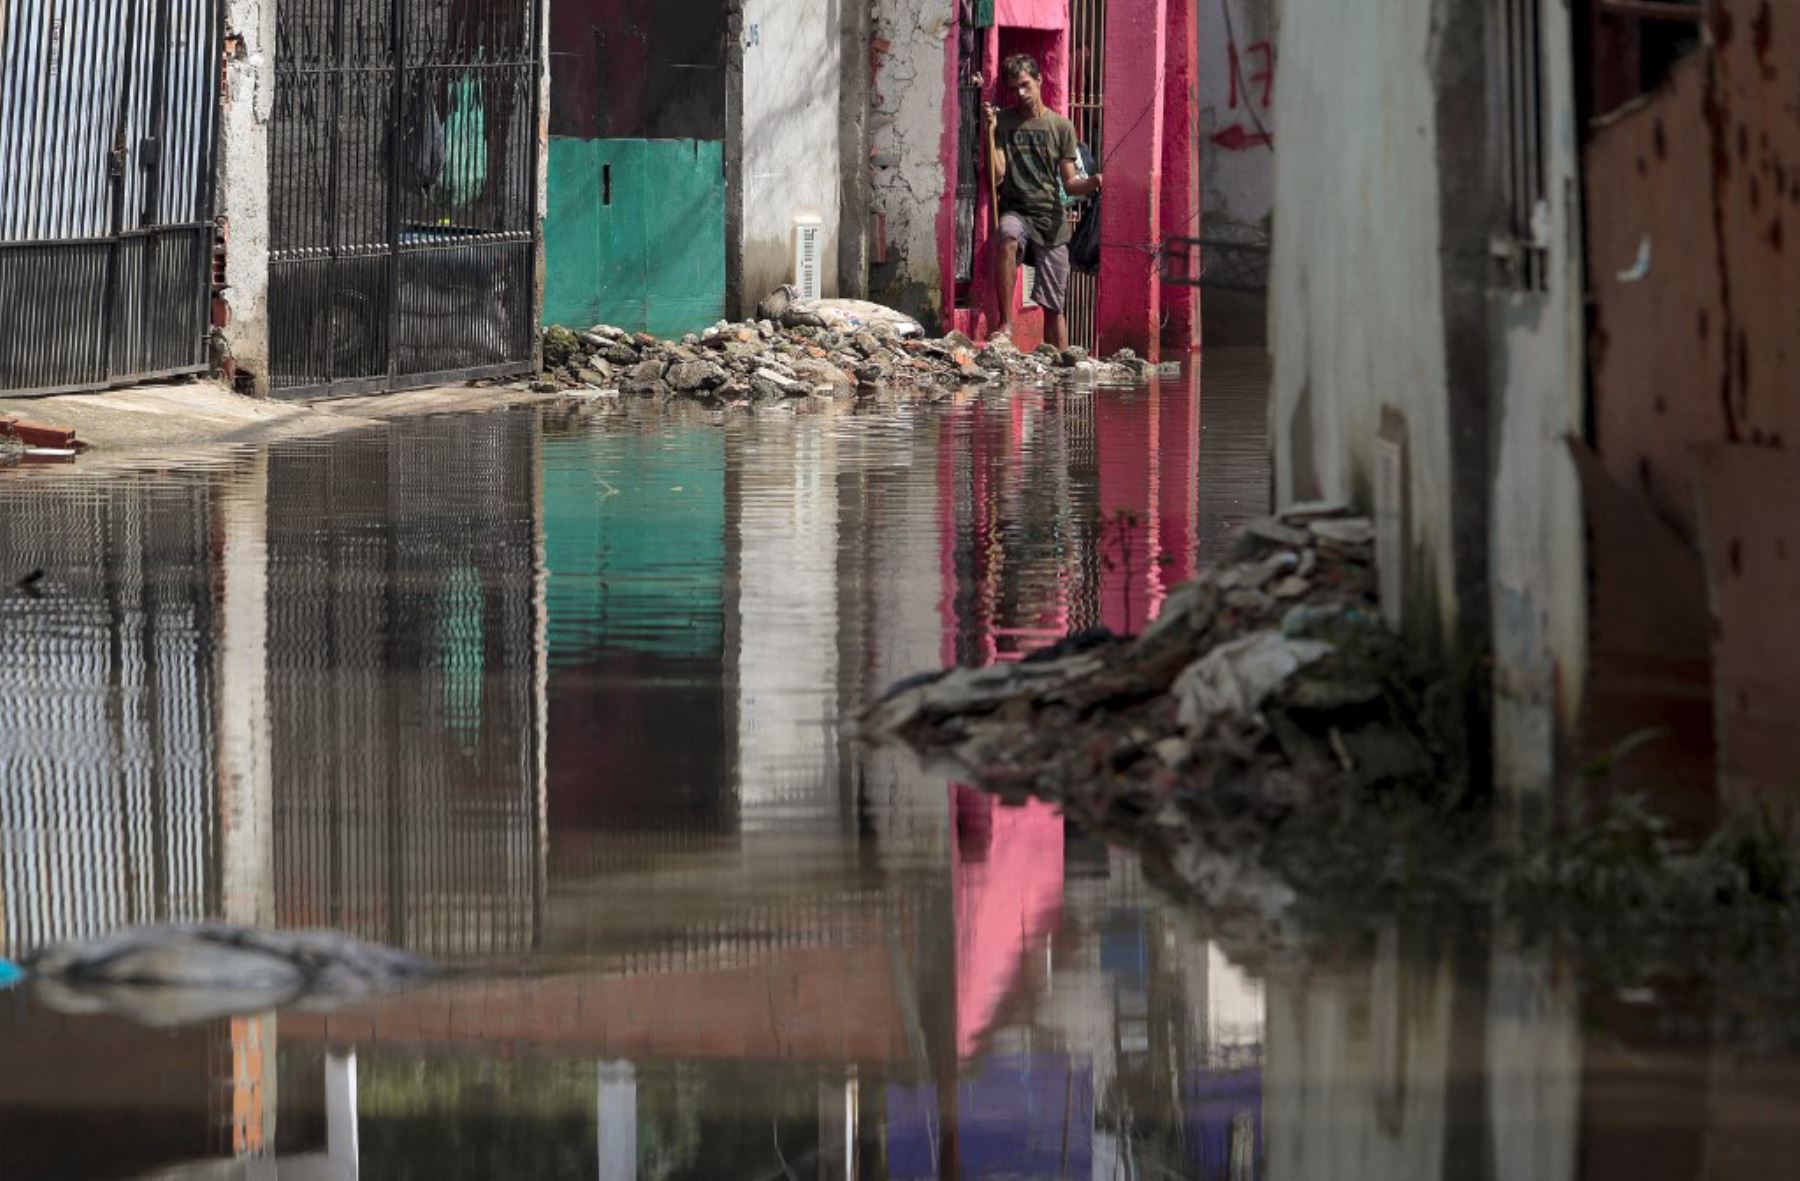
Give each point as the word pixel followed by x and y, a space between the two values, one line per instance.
pixel 791 116
pixel 911 108
pixel 1538 567
pixel 1358 302
pixel 243 184
pixel 1392 328
pixel 1237 112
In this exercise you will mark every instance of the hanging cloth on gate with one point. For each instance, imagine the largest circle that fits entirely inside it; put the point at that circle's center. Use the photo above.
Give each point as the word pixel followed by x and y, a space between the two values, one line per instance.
pixel 420 160
pixel 1084 245
pixel 465 144
pixel 974 16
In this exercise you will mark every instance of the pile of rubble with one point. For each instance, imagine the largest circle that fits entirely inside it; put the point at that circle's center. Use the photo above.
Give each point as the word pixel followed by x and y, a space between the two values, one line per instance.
pixel 186 973
pixel 1268 689
pixel 823 348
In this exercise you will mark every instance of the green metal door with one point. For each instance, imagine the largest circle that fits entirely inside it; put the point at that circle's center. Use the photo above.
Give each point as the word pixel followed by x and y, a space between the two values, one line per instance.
pixel 636 234
pixel 635 229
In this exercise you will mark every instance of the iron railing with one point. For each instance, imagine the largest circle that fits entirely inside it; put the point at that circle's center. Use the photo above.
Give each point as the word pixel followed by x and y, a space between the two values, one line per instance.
pixel 404 162
pixel 109 775
pixel 970 171
pixel 1230 261
pixel 108 134
pixel 1087 102
pixel 403 625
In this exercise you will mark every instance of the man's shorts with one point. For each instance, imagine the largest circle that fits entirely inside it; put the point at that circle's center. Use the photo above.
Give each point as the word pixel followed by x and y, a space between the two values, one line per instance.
pixel 1052 266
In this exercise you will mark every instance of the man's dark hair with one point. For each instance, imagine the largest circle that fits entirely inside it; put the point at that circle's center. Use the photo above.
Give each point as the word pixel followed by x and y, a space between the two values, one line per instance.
pixel 1020 63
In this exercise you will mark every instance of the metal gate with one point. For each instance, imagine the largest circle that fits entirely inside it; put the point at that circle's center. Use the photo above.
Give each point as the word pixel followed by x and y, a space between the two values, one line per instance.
pixel 403 192
pixel 108 126
pixel 1087 102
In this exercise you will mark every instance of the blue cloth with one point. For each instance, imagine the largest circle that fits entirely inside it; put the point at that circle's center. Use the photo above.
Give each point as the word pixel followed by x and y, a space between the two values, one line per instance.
pixel 10 973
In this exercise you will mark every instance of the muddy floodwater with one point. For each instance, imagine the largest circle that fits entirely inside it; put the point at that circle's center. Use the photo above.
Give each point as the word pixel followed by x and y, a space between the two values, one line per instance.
pixel 559 696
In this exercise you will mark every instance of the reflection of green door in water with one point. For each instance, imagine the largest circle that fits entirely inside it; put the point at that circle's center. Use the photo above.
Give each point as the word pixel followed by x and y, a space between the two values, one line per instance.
pixel 636 234
pixel 634 539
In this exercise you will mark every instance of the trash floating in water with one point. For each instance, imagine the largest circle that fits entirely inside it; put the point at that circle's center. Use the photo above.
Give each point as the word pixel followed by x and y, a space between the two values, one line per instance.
pixel 174 975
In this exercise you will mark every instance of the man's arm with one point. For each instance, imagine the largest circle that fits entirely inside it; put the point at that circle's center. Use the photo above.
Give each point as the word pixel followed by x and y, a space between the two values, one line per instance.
pixel 1077 185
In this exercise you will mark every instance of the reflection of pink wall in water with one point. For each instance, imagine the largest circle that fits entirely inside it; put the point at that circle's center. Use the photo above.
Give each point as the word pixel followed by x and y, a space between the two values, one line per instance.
pixel 1006 863
pixel 1007 885
pixel 1148 467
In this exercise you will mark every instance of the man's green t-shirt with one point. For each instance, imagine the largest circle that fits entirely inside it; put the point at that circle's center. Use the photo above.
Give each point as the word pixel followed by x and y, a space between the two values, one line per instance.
pixel 1035 150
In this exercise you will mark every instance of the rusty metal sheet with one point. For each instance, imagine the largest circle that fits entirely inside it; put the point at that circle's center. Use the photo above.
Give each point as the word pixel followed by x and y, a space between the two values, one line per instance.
pixel 1655 344
pixel 1689 195
pixel 1756 177
pixel 1650 658
pixel 1751 544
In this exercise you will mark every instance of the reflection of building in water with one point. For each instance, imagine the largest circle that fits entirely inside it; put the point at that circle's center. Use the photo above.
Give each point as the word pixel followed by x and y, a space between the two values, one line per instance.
pixel 109 694
pixel 1065 511
pixel 1232 456
pixel 1411 1062
pixel 784 627
pixel 639 737
pixel 404 684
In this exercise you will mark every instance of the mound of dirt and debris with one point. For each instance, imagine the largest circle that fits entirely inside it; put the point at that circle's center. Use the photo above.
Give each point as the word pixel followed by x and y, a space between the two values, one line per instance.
pixel 1268 689
pixel 183 973
pixel 801 348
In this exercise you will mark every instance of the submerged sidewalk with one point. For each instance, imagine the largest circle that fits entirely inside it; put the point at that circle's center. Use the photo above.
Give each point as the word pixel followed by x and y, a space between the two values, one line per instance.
pixel 174 418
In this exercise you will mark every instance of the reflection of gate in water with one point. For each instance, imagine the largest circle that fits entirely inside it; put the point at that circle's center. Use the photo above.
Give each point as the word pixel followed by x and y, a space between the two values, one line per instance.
pixel 108 110
pixel 404 163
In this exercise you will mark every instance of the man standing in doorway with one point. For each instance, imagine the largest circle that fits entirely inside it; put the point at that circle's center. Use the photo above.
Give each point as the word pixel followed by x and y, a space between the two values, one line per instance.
pixel 1030 150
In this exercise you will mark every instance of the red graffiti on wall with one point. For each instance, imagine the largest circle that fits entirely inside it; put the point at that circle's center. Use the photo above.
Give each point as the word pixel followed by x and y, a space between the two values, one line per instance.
pixel 1259 58
pixel 1252 88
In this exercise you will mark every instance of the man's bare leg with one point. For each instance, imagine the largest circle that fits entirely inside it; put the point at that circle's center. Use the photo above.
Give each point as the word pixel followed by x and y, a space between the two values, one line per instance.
pixel 1058 324
pixel 1006 275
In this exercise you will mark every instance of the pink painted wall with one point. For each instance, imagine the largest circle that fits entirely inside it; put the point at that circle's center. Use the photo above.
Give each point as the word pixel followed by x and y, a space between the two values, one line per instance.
pixel 1181 177
pixel 1130 303
pixel 1032 14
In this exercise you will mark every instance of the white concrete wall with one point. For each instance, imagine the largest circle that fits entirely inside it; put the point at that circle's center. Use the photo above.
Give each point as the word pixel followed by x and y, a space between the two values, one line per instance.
pixel 243 184
pixel 791 114
pixel 1357 301
pixel 1237 180
pixel 1538 569
pixel 907 131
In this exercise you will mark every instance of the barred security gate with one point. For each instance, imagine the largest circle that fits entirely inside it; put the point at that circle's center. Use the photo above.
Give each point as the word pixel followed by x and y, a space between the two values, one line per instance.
pixel 108 121
pixel 1087 103
pixel 403 190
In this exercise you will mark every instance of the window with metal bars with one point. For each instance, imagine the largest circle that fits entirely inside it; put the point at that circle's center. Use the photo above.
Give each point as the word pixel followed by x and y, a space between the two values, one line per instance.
pixel 969 174
pixel 1521 249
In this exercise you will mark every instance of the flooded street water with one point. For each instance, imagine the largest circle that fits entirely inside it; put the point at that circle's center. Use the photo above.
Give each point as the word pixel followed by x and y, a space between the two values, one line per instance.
pixel 560 697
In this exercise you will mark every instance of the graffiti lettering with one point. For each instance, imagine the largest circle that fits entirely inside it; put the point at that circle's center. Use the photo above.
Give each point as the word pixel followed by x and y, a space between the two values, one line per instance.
pixel 1260 81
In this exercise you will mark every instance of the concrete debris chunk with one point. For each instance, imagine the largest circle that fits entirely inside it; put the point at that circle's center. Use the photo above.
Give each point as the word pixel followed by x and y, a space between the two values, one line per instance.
pixel 1276 533
pixel 178 974
pixel 1232 681
pixel 1344 531
pixel 1267 689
